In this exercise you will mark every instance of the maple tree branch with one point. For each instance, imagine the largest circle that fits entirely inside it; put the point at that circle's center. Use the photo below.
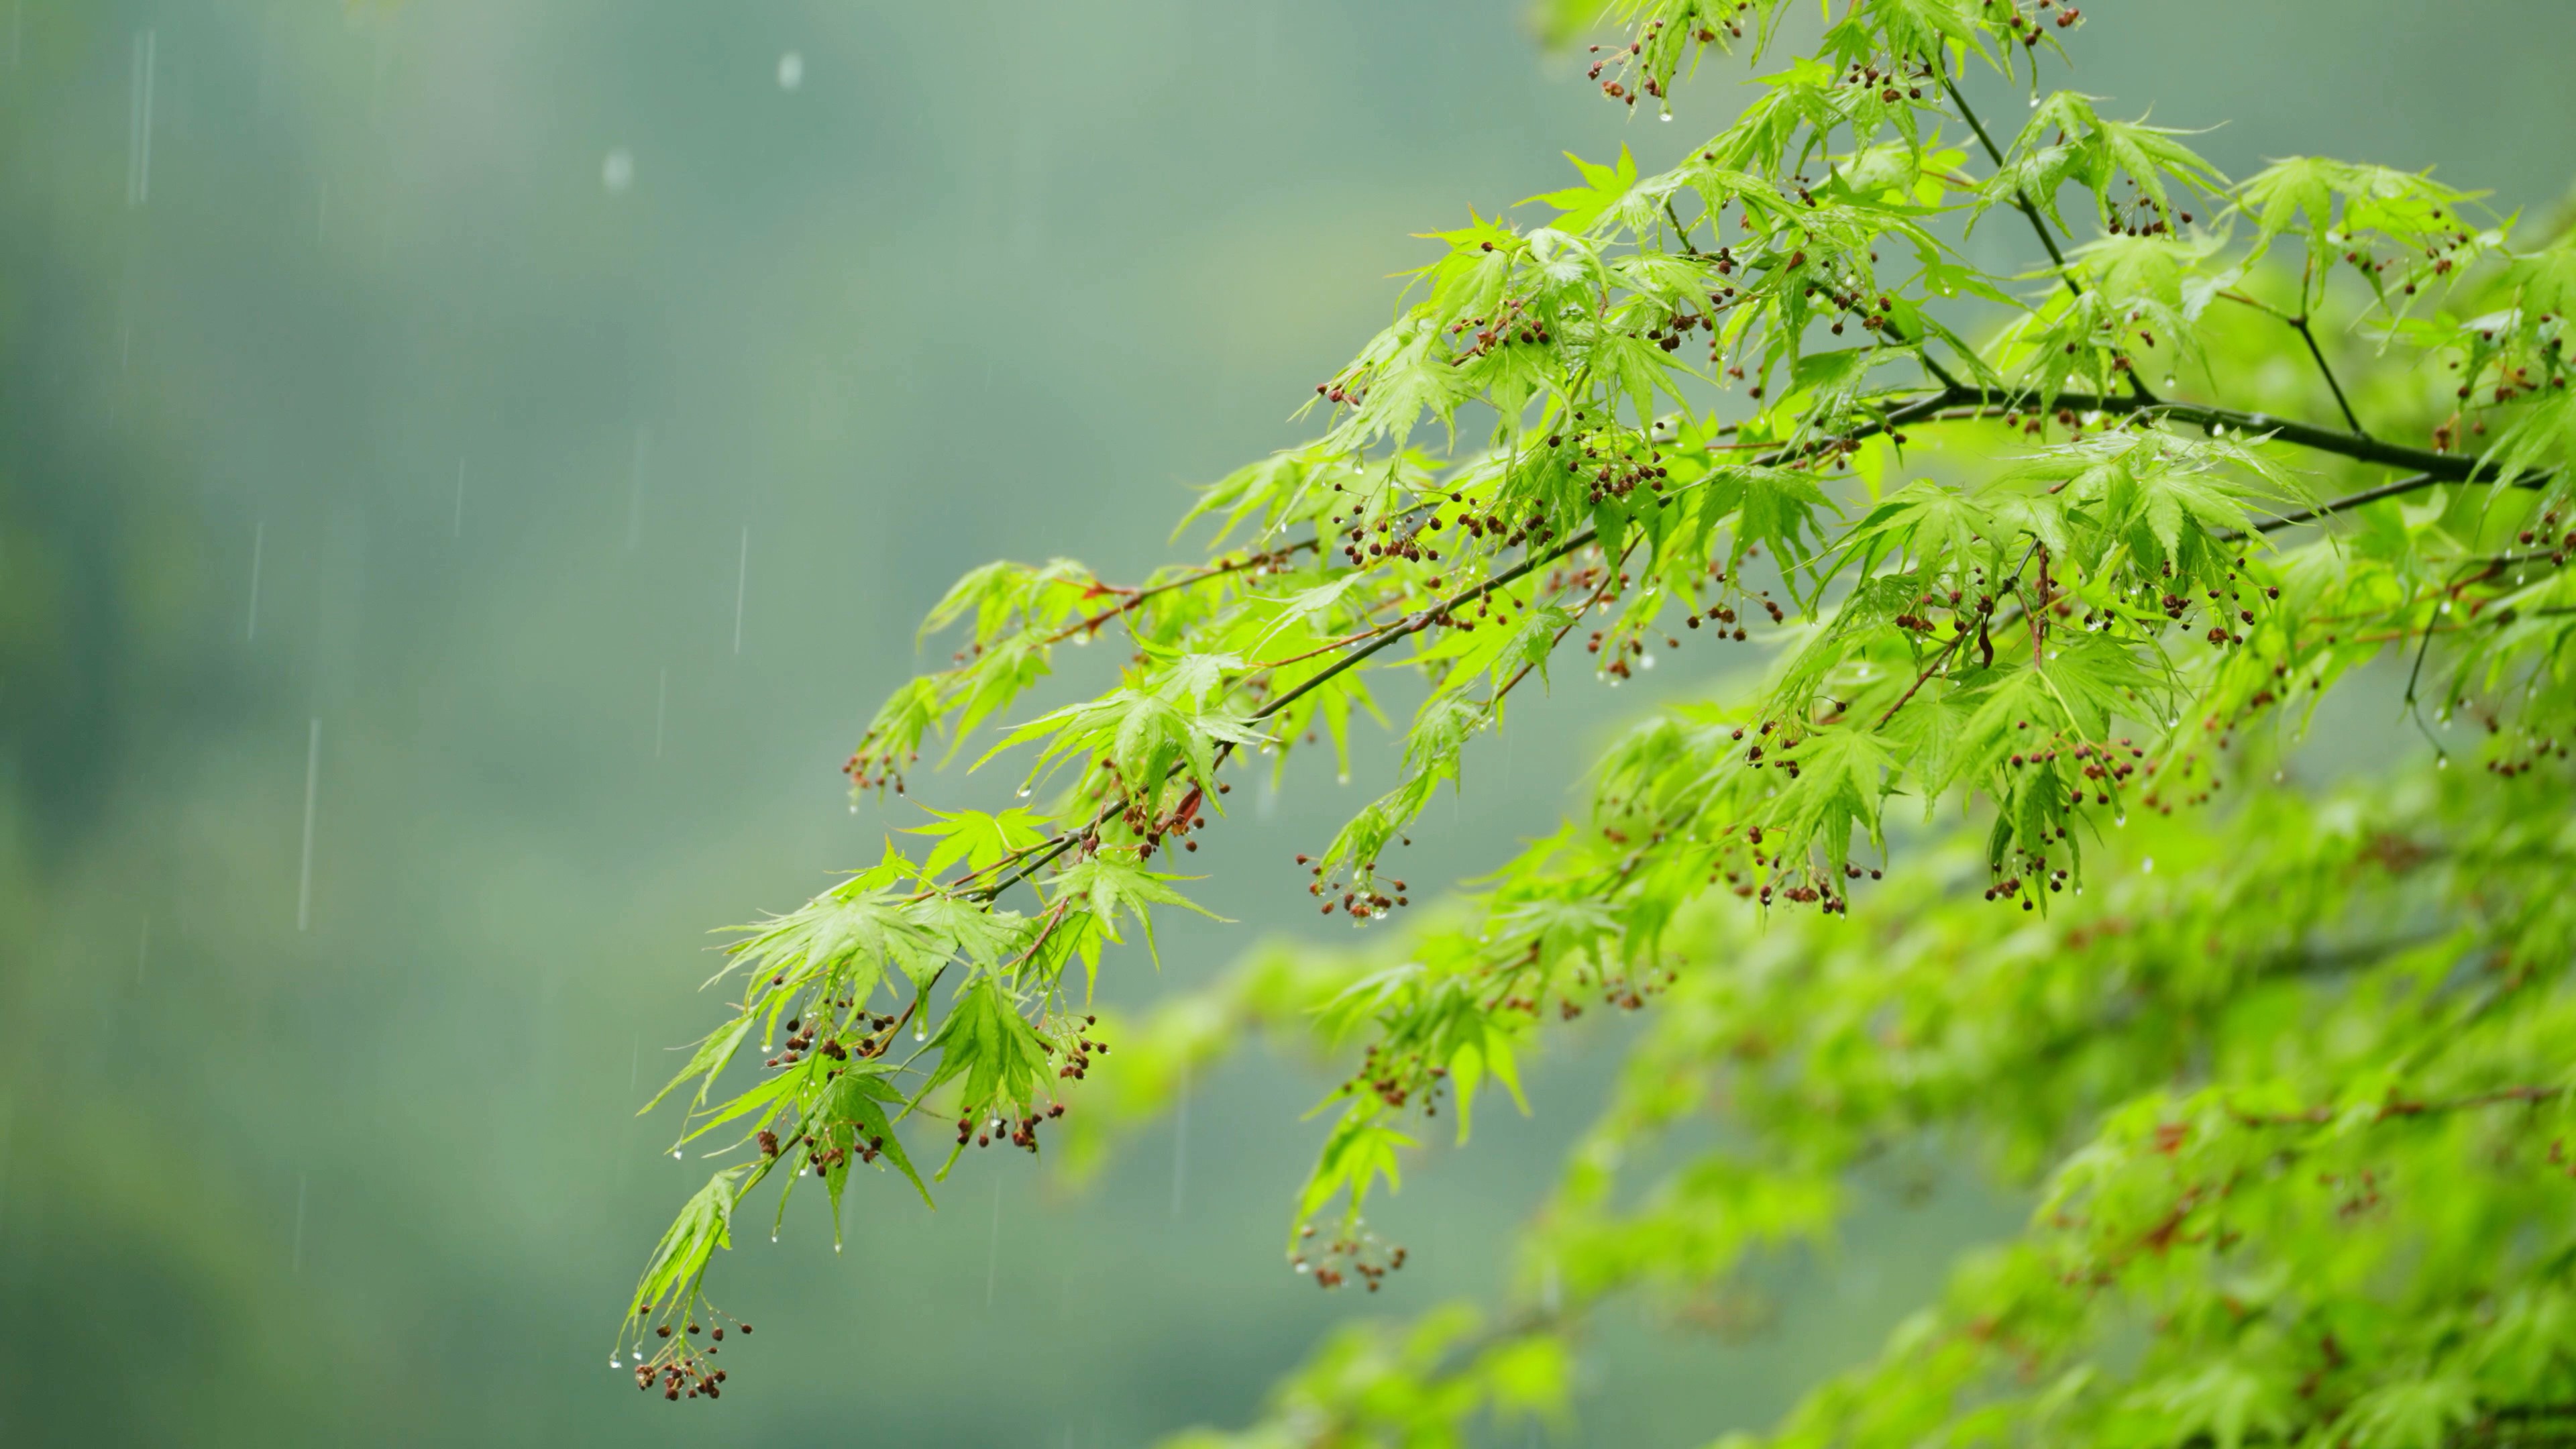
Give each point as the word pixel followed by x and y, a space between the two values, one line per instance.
pixel 2401 1107
pixel 2328 371
pixel 2022 202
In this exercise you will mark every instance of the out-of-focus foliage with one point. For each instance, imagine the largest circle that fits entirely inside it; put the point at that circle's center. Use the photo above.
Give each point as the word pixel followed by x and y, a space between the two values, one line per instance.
pixel 2294 1099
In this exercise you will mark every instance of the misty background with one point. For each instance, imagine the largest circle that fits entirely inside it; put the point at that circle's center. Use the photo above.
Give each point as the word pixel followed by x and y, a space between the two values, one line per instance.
pixel 468 469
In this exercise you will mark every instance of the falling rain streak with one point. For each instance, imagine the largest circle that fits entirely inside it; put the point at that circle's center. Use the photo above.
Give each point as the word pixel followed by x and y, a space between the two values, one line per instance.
pixel 635 488
pixel 258 551
pixel 302 1181
pixel 993 1247
pixel 138 144
pixel 312 784
pixel 741 581
pixel 1181 1140
pixel 661 710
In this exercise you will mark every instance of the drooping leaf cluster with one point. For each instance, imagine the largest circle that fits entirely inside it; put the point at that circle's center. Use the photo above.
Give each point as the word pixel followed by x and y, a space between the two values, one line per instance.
pixel 2021 586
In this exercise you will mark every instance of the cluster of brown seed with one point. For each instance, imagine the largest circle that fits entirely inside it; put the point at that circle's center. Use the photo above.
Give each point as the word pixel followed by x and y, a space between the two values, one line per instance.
pixel 684 1369
pixel 2509 767
pixel 1723 615
pixel 1022 1131
pixel 1804 882
pixel 1625 56
pixel 2028 29
pixel 874 770
pixel 1512 323
pixel 1628 993
pixel 823 1156
pixel 2142 215
pixel 1898 79
pixel 2444 255
pixel 1807 892
pixel 1139 810
pixel 1391 1080
pixel 1077 1057
pixel 1356 1252
pixel 1702 29
pixel 1361 898
pixel 803 1037
pixel 2363 1195
pixel 1409 545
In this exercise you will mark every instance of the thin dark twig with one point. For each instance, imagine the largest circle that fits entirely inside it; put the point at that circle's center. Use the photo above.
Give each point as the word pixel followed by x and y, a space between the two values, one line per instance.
pixel 1038 859
pixel 2324 367
pixel 2022 203
pixel 2395 488
pixel 1681 233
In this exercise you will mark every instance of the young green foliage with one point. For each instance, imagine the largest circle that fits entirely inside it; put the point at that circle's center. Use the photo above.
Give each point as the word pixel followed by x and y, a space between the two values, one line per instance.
pixel 2292 1101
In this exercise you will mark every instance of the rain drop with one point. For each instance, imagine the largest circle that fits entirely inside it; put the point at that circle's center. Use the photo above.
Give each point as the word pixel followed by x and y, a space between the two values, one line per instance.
pixel 2442 762
pixel 1666 116
pixel 2169 379
pixel 2147 866
pixel 618 171
pixel 675 1154
pixel 920 1030
pixel 1024 792
pixel 791 71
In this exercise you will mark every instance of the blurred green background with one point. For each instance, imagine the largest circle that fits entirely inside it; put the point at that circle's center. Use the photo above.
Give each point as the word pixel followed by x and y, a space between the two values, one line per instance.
pixel 516 437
